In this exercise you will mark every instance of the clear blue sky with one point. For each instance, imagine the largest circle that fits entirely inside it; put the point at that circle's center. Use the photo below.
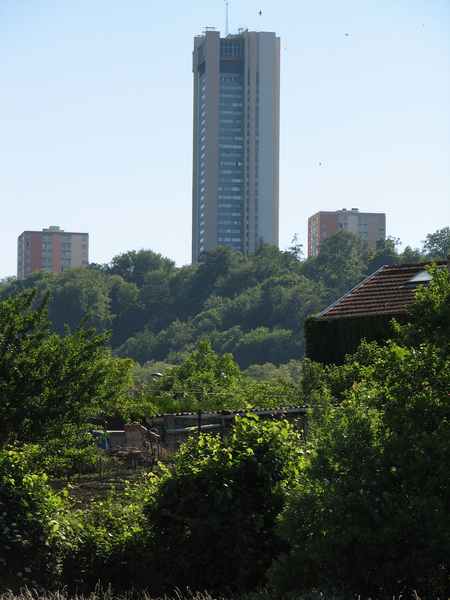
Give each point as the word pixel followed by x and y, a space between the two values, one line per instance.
pixel 96 116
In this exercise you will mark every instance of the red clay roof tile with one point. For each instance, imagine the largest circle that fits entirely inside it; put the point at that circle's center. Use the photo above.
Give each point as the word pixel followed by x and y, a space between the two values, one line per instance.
pixel 387 291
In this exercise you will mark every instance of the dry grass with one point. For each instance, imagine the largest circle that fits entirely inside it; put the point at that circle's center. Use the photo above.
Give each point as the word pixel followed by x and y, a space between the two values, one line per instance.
pixel 103 595
pixel 108 595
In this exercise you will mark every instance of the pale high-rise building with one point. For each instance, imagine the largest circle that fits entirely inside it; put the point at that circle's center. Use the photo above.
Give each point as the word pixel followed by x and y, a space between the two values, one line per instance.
pixel 51 250
pixel 369 227
pixel 236 141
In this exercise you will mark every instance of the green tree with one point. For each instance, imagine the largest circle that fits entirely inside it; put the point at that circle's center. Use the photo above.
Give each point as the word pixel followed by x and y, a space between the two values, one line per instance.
pixel 210 274
pixel 430 313
pixel 340 265
pixel 159 312
pixel 79 296
pixel 275 393
pixel 213 518
pixel 141 347
pixel 264 372
pixel 13 286
pixel 156 297
pixel 135 266
pixel 49 382
pixel 385 254
pixel 411 255
pixel 204 381
pixel 296 248
pixel 126 308
pixel 75 296
pixel 111 548
pixel 179 336
pixel 262 344
pixel 437 244
pixel 286 301
pixel 371 511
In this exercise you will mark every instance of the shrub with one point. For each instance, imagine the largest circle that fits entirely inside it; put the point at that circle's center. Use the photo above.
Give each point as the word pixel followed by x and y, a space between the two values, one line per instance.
pixel 371 511
pixel 33 524
pixel 49 383
pixel 213 518
pixel 111 548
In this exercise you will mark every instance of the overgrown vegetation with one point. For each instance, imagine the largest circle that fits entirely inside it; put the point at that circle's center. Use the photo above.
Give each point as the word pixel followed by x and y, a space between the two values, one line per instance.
pixel 206 381
pixel 50 385
pixel 213 516
pixel 359 507
pixel 33 523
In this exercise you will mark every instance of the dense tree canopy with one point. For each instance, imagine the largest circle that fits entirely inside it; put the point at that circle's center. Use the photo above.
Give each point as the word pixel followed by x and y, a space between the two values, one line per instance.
pixel 253 307
pixel 357 506
pixel 206 381
pixel 48 382
pixel 437 244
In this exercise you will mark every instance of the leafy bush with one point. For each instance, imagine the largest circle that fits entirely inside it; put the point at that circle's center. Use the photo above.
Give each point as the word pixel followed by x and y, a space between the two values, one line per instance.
pixel 111 546
pixel 213 517
pixel 74 453
pixel 48 381
pixel 34 527
pixel 371 511
pixel 64 461
pixel 206 380
pixel 430 313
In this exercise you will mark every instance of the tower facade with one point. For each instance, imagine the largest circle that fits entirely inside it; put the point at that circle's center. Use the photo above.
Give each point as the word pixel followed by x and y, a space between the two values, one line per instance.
pixel 51 250
pixel 369 227
pixel 236 141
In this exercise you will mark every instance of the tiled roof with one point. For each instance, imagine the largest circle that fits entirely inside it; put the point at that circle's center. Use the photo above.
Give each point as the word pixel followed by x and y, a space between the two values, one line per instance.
pixel 387 291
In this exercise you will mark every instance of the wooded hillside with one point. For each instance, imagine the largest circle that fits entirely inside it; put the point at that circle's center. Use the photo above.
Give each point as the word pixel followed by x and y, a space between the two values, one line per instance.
pixel 253 307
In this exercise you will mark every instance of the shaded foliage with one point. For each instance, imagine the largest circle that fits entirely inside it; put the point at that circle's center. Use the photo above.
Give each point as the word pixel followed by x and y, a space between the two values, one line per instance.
pixel 50 384
pixel 371 509
pixel 252 306
pixel 346 335
pixel 363 505
pixel 33 524
pixel 218 507
pixel 111 547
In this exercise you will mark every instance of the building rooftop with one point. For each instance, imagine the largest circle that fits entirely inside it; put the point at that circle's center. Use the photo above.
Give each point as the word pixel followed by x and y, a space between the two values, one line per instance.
pixel 390 290
pixel 346 210
pixel 53 229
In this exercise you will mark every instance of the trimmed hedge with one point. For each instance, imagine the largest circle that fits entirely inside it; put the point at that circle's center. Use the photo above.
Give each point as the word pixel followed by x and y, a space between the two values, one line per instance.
pixel 329 340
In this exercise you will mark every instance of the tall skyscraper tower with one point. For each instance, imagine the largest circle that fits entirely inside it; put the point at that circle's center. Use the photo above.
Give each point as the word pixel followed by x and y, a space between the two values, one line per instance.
pixel 236 141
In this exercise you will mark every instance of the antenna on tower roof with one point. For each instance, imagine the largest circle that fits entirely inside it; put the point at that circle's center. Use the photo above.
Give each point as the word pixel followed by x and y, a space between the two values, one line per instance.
pixel 227 17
